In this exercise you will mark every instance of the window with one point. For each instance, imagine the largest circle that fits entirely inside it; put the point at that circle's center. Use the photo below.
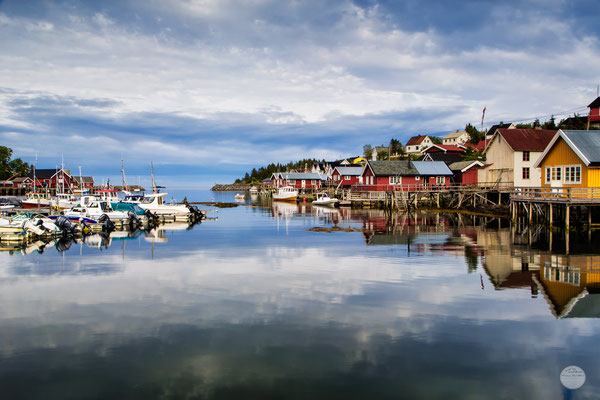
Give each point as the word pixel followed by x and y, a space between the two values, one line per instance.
pixel 526 173
pixel 395 180
pixel 291 181
pixel 557 173
pixel 573 174
pixel 440 180
pixel 525 157
pixel 312 181
pixel 417 178
pixel 548 174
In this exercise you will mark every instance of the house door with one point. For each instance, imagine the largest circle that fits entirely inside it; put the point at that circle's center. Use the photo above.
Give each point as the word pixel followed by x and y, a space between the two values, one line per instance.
pixel 556 179
pixel 303 183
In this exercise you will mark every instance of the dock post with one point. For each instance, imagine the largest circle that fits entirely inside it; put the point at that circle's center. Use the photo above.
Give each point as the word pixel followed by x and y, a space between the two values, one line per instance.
pixel 567 216
pixel 530 216
pixel 589 217
pixel 513 206
pixel 550 214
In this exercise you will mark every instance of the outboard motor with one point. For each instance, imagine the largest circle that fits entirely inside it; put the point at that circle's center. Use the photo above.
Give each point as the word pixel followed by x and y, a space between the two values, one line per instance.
pixel 64 243
pixel 107 224
pixel 134 220
pixel 152 218
pixel 64 224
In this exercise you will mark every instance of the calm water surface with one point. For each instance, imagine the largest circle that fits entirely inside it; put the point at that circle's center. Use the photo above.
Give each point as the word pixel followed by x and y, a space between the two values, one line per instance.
pixel 256 305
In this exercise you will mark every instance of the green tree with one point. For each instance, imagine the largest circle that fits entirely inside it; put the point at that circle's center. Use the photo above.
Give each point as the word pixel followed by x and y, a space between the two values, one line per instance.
pixel 10 167
pixel 383 155
pixel 551 124
pixel 395 147
pixel 368 151
pixel 436 140
pixel 475 136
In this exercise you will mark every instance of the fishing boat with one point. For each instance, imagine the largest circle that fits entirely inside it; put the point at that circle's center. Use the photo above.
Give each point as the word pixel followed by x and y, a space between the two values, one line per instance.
pixel 323 199
pixel 286 193
pixel 239 197
pixel 37 200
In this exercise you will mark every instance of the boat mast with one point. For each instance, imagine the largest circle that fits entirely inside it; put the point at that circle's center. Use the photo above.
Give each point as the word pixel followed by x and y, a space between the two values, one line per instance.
pixel 123 176
pixel 80 181
pixel 62 173
pixel 154 188
pixel 34 165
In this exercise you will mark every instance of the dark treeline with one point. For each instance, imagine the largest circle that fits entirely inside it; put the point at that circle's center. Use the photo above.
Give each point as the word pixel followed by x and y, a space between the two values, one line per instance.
pixel 257 175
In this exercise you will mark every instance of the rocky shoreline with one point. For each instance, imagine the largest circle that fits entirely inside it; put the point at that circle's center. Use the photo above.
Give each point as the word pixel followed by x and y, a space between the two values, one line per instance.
pixel 230 187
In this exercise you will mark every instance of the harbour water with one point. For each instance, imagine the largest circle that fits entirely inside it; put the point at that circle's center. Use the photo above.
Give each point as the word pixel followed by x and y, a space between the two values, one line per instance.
pixel 259 304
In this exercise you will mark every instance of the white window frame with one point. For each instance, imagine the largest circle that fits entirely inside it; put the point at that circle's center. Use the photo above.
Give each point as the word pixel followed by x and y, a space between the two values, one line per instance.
pixel 548 175
pixel 568 169
pixel 417 178
pixel 557 173
pixel 440 180
pixel 291 181
pixel 395 180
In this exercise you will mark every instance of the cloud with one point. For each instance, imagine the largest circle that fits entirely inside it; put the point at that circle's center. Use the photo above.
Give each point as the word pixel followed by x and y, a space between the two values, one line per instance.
pixel 305 78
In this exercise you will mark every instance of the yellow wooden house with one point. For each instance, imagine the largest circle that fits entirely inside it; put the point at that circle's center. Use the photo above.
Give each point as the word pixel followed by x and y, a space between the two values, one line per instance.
pixel 571 160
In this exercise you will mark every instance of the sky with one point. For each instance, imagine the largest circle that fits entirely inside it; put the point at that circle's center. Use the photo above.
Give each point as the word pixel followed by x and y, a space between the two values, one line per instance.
pixel 209 89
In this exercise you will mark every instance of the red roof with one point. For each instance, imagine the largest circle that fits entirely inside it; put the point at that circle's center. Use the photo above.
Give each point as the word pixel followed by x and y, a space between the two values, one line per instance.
pixel 445 148
pixel 415 140
pixel 527 139
pixel 477 147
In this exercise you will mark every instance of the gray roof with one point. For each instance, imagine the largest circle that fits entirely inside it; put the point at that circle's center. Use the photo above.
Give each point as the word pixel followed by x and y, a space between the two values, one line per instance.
pixel 349 170
pixel 437 168
pixel 586 307
pixel 409 168
pixel 460 165
pixel 587 144
pixel 393 168
pixel 303 175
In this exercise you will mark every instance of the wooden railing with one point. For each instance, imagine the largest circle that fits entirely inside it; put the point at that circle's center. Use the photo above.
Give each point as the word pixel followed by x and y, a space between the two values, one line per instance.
pixel 412 187
pixel 561 194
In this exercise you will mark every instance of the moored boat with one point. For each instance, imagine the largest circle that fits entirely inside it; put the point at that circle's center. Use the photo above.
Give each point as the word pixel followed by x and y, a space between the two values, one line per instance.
pixel 323 199
pixel 286 193
pixel 37 200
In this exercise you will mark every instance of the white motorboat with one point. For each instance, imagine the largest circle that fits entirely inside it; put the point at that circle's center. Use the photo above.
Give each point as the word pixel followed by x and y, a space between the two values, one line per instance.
pixel 239 197
pixel 286 193
pixel 323 199
pixel 66 200
pixel 94 209
pixel 32 223
pixel 154 202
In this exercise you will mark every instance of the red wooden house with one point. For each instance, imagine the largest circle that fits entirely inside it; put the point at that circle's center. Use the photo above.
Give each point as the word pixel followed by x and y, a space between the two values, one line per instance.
pixel 346 176
pixel 298 180
pixel 52 178
pixel 594 110
pixel 465 172
pixel 395 175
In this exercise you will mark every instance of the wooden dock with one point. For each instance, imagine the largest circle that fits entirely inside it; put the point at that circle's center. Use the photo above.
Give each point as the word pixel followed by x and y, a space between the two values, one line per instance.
pixel 551 205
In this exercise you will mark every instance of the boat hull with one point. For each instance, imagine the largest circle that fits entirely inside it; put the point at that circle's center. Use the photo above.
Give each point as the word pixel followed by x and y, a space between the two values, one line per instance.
pixel 36 204
pixel 277 197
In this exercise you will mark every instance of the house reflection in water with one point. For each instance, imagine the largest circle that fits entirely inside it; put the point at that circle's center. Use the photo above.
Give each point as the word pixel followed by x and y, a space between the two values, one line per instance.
pixel 571 285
